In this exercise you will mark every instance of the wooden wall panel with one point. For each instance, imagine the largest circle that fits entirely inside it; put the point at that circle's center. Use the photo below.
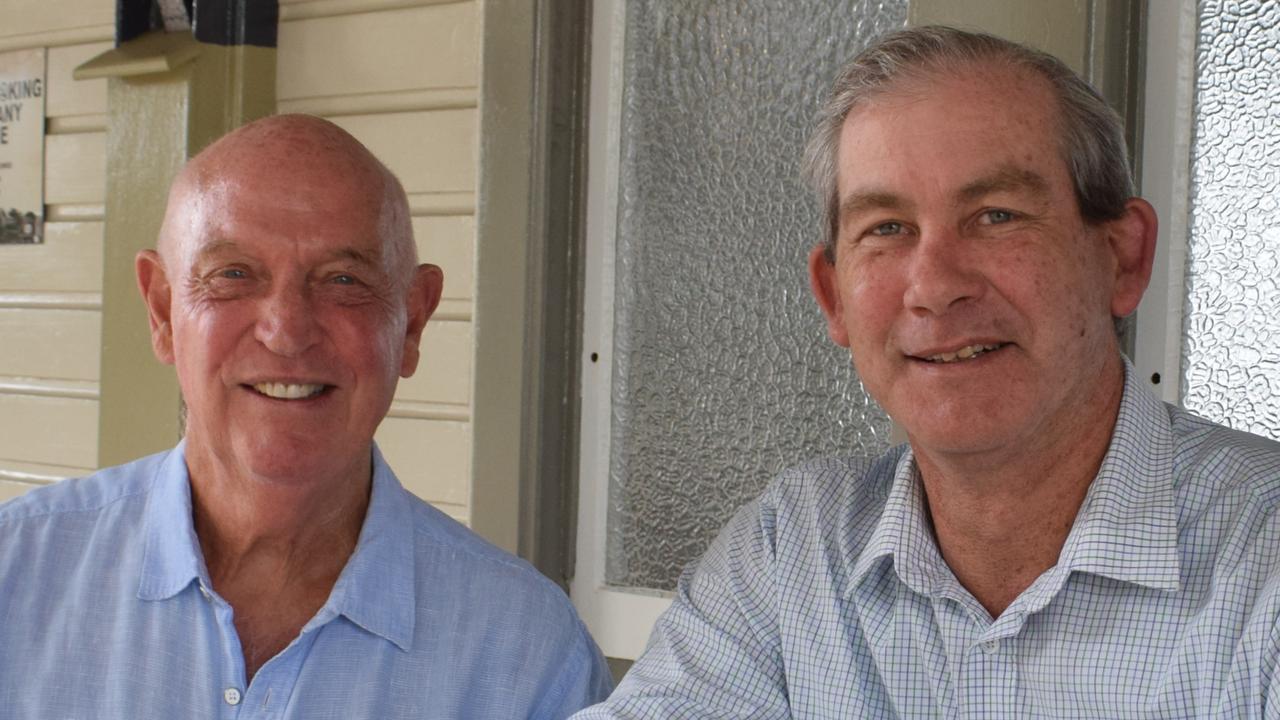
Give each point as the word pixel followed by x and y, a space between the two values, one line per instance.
pixel 425 47
pixel 10 489
pixel 24 17
pixel 444 371
pixel 75 168
pixel 449 241
pixel 432 458
pixel 69 260
pixel 431 151
pixel 59 344
pixel 68 96
pixel 56 431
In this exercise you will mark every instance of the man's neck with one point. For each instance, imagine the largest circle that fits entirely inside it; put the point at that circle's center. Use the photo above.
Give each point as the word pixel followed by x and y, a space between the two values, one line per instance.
pixel 1001 522
pixel 299 522
pixel 274 549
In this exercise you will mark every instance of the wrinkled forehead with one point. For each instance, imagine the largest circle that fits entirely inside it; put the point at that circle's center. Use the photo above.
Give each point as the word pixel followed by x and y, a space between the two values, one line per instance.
pixel 285 190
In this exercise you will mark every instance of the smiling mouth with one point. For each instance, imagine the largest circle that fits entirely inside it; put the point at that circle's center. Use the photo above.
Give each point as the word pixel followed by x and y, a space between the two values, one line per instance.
pixel 289 391
pixel 968 352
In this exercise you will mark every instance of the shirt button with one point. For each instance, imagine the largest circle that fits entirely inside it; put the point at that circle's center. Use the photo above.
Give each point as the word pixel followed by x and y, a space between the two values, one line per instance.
pixel 231 695
pixel 990 647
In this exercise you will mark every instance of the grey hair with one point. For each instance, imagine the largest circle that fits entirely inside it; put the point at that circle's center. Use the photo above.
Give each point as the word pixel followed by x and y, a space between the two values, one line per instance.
pixel 1091 133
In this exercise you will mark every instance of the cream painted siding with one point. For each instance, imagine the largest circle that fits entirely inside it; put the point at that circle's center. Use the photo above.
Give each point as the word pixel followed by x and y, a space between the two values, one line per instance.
pixel 51 294
pixel 402 77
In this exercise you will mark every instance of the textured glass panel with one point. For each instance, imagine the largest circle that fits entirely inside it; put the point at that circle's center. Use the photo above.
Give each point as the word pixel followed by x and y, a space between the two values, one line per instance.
pixel 723 373
pixel 1231 360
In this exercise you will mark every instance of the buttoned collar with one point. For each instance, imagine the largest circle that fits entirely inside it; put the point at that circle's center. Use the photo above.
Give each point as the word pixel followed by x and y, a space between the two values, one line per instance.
pixel 1126 528
pixel 375 589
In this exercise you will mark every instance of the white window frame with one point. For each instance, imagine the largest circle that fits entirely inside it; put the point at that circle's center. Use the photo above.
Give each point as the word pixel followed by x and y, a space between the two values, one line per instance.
pixel 1168 106
pixel 619 619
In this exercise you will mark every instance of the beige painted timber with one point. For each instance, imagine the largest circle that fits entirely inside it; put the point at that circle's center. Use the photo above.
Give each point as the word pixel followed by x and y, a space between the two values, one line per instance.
pixel 61 344
pixel 432 458
pixel 435 46
pixel 1059 27
pixel 430 152
pixel 68 96
pixel 75 168
pixel 38 473
pixel 444 370
pixel 10 489
pixel 449 241
pixel 51 430
pixel 26 17
pixel 69 260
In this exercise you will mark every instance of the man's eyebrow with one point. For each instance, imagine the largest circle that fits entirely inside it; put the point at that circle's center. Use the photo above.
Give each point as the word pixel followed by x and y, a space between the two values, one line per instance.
pixel 869 200
pixel 358 256
pixel 214 247
pixel 1004 179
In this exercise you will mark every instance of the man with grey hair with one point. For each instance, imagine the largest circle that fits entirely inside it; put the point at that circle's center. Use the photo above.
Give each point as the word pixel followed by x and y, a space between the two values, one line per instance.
pixel 1053 541
pixel 271 565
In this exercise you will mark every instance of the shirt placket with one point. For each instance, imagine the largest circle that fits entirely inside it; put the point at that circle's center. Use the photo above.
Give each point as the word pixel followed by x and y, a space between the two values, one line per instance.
pixel 267 696
pixel 986 684
pixel 983 661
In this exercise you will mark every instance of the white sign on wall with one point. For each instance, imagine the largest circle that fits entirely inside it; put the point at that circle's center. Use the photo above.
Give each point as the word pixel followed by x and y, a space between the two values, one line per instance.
pixel 22 90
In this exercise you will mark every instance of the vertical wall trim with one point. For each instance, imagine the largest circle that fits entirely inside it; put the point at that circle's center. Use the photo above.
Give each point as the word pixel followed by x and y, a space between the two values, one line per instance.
pixel 529 225
pixel 156 121
pixel 502 268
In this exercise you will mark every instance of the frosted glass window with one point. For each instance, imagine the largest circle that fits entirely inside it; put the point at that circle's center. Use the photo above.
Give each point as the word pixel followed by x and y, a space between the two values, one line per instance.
pixel 723 372
pixel 1231 348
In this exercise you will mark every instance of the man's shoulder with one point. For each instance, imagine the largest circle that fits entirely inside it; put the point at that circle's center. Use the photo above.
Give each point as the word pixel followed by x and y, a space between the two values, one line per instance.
pixel 83 497
pixel 452 550
pixel 1214 460
pixel 829 487
pixel 832 502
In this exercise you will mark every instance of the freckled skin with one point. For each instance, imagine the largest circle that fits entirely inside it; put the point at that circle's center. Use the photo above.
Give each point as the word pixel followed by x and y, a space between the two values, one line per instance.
pixel 959 228
pixel 1039 281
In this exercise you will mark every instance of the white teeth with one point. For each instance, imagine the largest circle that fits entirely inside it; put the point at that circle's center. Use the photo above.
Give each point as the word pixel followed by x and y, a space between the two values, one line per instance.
pixel 282 391
pixel 965 353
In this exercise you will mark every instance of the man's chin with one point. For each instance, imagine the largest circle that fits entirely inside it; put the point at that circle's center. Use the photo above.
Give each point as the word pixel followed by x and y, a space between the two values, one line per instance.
pixel 284 457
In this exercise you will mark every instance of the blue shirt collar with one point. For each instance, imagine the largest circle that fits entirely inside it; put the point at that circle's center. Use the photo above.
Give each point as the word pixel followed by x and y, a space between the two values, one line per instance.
pixel 375 590
pixel 1127 527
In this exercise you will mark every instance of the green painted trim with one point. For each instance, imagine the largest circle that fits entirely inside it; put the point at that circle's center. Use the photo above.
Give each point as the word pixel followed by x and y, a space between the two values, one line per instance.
pixel 502 266
pixel 1059 27
pixel 529 241
pixel 156 122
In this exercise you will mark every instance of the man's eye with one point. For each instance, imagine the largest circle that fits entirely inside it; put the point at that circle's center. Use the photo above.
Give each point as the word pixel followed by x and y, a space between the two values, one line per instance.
pixel 233 274
pixel 344 279
pixel 888 228
pixel 996 217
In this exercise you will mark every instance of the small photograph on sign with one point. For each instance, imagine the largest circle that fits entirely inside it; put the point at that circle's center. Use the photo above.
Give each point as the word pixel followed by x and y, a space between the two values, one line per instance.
pixel 22 91
pixel 20 227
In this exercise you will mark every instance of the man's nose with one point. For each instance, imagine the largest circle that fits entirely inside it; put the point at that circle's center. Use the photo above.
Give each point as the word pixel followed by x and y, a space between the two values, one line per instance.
pixel 941 272
pixel 287 323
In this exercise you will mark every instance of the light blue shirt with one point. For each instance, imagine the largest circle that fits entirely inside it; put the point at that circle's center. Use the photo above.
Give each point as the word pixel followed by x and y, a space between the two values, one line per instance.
pixel 106 611
pixel 827 597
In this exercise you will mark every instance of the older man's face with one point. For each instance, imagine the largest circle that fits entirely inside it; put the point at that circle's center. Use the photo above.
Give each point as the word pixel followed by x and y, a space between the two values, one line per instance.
pixel 976 302
pixel 288 326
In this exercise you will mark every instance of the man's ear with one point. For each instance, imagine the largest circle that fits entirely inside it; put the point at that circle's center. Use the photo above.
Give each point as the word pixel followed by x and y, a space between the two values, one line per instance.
pixel 826 290
pixel 1132 237
pixel 424 296
pixel 158 295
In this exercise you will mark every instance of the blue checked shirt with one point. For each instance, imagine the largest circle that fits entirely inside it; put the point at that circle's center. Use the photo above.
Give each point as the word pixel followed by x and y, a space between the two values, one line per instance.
pixel 106 611
pixel 827 597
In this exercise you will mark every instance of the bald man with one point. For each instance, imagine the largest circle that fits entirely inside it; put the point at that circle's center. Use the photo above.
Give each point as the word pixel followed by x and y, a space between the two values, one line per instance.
pixel 271 565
